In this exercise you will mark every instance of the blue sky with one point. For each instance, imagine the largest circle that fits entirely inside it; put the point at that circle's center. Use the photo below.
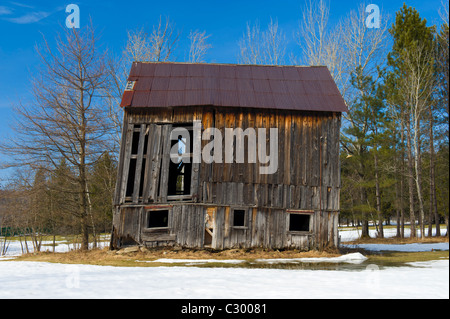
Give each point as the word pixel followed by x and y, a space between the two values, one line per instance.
pixel 22 24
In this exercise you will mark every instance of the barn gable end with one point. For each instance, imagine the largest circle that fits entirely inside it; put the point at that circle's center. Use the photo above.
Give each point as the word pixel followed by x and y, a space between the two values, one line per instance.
pixel 223 204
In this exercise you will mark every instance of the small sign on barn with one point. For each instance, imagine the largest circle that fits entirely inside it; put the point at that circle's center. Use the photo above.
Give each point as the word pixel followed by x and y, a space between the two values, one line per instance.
pixel 228 156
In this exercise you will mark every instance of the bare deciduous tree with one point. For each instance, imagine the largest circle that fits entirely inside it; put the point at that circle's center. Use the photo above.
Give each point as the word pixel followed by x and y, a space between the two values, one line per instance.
pixel 250 45
pixel 417 88
pixel 274 42
pixel 267 47
pixel 313 34
pixel 66 120
pixel 158 46
pixel 198 46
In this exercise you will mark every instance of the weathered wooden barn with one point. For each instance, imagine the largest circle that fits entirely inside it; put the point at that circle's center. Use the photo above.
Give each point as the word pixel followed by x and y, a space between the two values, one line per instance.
pixel 217 203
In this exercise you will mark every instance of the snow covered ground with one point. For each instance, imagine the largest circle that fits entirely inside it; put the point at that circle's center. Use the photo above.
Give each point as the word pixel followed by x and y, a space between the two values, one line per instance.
pixel 45 280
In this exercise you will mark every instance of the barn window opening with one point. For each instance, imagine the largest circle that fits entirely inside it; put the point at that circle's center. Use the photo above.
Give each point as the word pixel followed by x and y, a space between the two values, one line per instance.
pixel 180 167
pixel 238 218
pixel 158 219
pixel 299 222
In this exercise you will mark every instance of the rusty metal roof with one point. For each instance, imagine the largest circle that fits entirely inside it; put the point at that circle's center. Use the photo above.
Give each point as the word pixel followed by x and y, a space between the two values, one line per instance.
pixel 167 84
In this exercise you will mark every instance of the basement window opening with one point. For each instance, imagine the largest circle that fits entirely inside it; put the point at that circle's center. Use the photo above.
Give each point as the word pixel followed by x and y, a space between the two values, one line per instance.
pixel 299 222
pixel 238 218
pixel 158 219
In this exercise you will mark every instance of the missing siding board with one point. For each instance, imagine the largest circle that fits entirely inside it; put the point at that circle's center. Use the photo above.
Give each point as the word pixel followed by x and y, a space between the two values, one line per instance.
pixel 131 176
pixel 146 141
pixel 141 184
pixel 135 142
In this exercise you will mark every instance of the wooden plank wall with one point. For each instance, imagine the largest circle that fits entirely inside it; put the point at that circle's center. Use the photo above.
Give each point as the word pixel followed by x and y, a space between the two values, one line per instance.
pixel 308 171
pixel 308 178
pixel 264 227
pixel 308 150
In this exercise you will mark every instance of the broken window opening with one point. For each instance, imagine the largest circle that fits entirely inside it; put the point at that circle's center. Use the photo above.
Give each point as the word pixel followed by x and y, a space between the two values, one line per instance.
pixel 299 222
pixel 180 167
pixel 158 219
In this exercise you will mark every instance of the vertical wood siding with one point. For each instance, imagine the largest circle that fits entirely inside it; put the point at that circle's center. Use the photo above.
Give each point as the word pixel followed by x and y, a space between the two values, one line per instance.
pixel 308 178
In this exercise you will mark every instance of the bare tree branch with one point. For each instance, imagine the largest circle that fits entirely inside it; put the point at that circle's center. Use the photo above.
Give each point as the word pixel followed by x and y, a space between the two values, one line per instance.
pixel 199 46
pixel 267 47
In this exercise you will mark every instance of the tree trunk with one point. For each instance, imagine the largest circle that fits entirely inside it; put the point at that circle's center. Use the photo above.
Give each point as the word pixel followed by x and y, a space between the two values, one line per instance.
pixel 397 210
pixel 402 176
pixel 84 214
pixel 412 217
pixel 418 171
pixel 377 193
pixel 433 201
pixel 82 169
pixel 365 220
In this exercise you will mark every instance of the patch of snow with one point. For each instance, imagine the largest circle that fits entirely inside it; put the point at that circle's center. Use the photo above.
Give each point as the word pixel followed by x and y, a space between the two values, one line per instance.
pixel 415 247
pixel 353 234
pixel 428 264
pixel 354 258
